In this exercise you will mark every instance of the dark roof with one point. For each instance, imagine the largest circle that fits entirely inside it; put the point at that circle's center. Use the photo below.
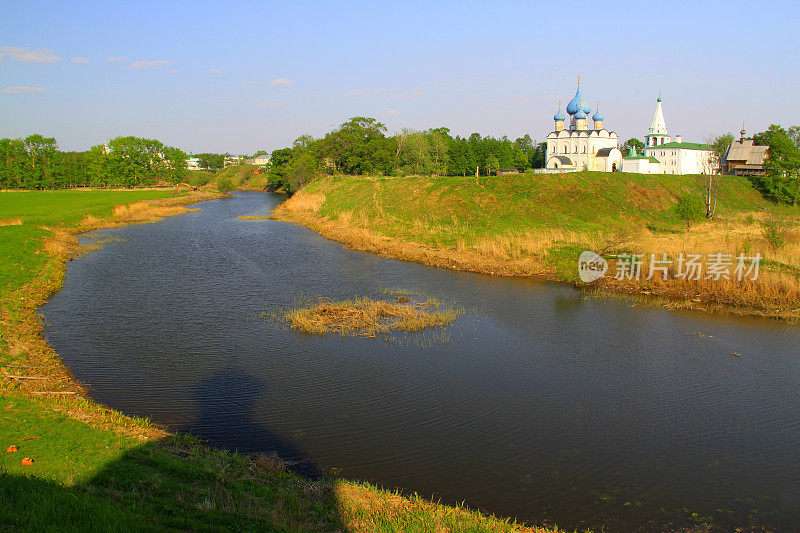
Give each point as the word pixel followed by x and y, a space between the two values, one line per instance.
pixel 563 159
pixel 746 151
pixel 603 152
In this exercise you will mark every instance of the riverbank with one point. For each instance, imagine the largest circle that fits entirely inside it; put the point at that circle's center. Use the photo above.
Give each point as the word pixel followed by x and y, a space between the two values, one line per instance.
pixel 538 225
pixel 96 469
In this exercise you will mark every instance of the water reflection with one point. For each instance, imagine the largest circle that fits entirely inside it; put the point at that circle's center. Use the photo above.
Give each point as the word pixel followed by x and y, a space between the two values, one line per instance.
pixel 542 404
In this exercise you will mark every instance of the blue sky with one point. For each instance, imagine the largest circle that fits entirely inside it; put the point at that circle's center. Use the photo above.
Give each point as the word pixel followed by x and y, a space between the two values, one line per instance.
pixel 243 76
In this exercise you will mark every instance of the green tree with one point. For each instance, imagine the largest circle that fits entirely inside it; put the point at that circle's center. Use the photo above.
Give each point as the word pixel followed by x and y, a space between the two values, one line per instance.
pixel 302 170
pixel 688 209
pixel 632 143
pixel 39 168
pixel 359 146
pixel 13 162
pixel 278 169
pixel 175 160
pixel 783 166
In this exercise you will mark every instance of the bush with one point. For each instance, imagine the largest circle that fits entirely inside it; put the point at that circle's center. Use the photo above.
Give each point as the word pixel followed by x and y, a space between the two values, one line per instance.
pixel 775 234
pixel 690 208
pixel 224 184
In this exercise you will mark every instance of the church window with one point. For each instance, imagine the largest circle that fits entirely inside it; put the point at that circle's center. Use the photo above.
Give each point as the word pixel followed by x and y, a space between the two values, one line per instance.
pixel 575 149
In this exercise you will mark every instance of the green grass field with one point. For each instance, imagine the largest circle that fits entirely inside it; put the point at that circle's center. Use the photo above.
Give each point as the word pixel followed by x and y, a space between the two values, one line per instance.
pixel 444 210
pixel 538 224
pixel 98 470
pixel 21 244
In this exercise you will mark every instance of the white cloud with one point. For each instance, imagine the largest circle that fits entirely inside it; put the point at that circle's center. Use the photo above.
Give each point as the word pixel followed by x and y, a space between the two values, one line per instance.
pixel 215 71
pixel 412 94
pixel 280 81
pixel 141 65
pixel 270 105
pixel 391 112
pixel 364 92
pixel 116 59
pixel 24 54
pixel 20 90
pixel 79 60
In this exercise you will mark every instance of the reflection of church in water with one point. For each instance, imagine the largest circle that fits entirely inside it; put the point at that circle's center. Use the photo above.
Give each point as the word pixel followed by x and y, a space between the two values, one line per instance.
pixel 580 147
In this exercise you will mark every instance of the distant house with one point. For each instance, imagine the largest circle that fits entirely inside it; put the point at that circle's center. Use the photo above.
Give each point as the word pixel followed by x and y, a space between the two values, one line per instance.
pixel 193 163
pixel 232 160
pixel 260 160
pixel 504 171
pixel 743 158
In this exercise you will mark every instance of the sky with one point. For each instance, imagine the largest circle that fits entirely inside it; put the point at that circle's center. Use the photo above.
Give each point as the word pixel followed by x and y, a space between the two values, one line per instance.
pixel 244 76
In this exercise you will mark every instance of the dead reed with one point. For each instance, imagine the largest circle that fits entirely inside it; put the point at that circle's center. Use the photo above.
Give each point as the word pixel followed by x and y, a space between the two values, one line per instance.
pixel 367 317
pixel 15 221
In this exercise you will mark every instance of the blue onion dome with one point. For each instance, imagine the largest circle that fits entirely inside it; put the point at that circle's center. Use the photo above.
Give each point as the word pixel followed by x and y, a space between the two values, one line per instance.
pixel 560 115
pixel 580 114
pixel 587 109
pixel 574 105
pixel 598 116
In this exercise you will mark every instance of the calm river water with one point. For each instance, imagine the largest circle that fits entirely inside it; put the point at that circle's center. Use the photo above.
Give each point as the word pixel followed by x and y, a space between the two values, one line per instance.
pixel 536 403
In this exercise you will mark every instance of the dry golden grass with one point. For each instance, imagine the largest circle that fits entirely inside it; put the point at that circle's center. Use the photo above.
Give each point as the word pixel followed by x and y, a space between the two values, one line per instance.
pixel 302 201
pixel 363 507
pixel 15 221
pixel 367 317
pixel 252 217
pixel 775 294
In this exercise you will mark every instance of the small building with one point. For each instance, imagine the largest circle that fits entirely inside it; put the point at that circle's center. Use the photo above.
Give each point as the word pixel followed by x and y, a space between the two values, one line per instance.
pixel 260 160
pixel 676 157
pixel 744 158
pixel 193 163
pixel 641 164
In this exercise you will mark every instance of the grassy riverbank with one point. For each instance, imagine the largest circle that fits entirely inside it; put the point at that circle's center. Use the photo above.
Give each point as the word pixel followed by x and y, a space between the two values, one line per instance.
pixel 97 469
pixel 539 224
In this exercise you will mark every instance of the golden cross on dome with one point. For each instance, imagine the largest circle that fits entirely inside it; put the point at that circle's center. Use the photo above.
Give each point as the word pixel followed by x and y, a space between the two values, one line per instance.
pixel 579 79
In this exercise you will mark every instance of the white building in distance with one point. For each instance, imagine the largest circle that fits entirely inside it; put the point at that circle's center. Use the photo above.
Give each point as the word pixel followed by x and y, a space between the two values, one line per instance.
pixel 580 147
pixel 676 157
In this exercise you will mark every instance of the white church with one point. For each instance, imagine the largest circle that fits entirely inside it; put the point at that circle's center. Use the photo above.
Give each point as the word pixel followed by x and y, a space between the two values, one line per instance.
pixel 662 155
pixel 580 147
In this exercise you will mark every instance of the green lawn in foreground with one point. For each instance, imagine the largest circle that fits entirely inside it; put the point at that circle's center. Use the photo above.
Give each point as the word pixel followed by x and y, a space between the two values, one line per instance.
pixel 88 479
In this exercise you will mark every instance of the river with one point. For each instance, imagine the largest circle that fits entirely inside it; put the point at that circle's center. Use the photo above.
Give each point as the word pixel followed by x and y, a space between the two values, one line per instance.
pixel 537 403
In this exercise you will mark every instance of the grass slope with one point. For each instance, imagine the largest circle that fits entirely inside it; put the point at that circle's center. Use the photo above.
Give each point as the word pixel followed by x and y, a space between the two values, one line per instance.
pixel 97 470
pixel 241 176
pixel 538 225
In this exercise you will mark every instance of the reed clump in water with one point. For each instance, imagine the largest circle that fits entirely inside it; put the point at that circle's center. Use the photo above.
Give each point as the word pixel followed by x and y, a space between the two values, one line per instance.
pixel 367 317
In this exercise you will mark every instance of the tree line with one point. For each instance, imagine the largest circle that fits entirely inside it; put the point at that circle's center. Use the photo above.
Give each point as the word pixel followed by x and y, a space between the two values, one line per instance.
pixel 35 162
pixel 361 146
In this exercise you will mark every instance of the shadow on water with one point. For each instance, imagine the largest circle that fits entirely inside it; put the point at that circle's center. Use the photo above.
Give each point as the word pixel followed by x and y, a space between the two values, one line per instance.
pixel 231 423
